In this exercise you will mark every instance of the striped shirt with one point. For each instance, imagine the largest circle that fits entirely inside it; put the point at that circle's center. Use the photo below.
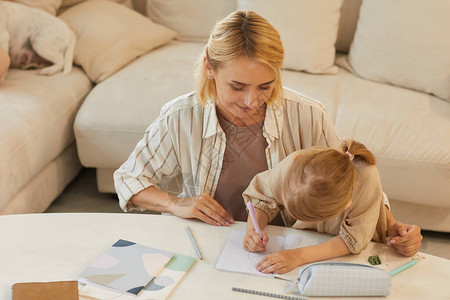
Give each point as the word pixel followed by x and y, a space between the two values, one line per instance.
pixel 186 143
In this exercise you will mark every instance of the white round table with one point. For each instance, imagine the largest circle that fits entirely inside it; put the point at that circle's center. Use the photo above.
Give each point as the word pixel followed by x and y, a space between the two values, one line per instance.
pixel 54 247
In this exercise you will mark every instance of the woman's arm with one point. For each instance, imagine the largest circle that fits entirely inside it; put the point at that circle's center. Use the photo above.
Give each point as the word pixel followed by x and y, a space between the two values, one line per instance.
pixel 202 207
pixel 155 159
pixel 286 260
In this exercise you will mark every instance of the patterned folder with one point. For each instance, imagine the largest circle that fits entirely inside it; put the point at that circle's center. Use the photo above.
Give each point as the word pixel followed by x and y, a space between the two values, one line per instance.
pixel 159 288
pixel 126 267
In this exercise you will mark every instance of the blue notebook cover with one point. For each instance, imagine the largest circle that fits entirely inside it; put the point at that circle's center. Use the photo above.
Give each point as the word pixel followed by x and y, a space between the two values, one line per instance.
pixel 126 267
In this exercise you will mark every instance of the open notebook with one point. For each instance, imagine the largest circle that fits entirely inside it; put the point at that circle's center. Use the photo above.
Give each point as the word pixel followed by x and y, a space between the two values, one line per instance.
pixel 235 258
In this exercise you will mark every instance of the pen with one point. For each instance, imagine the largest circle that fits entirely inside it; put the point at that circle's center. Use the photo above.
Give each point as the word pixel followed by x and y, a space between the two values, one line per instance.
pixel 251 210
pixel 403 267
pixel 199 254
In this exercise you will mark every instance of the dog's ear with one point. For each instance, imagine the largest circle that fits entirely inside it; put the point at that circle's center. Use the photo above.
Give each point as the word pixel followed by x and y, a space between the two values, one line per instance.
pixel 4 63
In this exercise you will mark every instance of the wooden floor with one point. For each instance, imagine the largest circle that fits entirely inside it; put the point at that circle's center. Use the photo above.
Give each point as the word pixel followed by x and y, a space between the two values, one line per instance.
pixel 82 196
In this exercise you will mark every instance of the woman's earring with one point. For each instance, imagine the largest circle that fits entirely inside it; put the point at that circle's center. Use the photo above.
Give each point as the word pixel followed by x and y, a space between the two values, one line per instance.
pixel 210 77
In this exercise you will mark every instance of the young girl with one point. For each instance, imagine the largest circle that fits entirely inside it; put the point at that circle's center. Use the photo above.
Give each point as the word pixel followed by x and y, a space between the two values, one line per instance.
pixel 327 190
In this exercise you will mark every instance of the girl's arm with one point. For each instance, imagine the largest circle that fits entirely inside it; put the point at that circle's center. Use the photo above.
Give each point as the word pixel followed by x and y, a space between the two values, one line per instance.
pixel 286 260
pixel 252 241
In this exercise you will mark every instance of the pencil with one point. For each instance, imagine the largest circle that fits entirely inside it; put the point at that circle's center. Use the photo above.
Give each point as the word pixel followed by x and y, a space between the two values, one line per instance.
pixel 404 267
pixel 236 289
pixel 251 210
pixel 197 250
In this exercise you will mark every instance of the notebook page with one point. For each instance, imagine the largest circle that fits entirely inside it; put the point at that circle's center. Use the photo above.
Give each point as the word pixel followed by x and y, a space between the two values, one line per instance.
pixel 235 258
pixel 294 241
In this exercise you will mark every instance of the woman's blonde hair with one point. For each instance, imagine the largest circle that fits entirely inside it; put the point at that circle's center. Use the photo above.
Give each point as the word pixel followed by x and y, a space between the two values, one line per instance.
pixel 321 182
pixel 241 34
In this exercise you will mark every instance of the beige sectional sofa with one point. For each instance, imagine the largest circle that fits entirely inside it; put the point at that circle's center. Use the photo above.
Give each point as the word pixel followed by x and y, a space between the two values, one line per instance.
pixel 402 117
pixel 38 156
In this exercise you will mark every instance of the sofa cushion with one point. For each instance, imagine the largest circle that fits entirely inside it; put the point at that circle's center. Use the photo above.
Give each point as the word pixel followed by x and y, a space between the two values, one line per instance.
pixel 69 3
pixel 43 188
pixel 193 19
pixel 37 115
pixel 392 44
pixel 110 35
pixel 406 130
pixel 116 113
pixel 308 30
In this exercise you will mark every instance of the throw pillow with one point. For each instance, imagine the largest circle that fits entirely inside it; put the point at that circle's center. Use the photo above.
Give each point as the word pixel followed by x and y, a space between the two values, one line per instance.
pixel 308 30
pixel 50 6
pixel 192 20
pixel 347 24
pixel 405 43
pixel 110 35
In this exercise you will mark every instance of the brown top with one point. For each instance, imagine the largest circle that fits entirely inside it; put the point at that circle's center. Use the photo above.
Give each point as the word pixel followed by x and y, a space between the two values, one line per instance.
pixel 244 157
pixel 363 221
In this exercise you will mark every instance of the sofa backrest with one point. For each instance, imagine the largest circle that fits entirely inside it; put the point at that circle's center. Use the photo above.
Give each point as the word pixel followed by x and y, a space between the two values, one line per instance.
pixel 172 15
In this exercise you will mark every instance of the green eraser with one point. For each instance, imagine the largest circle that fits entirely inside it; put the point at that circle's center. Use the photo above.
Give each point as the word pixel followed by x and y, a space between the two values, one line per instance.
pixel 374 260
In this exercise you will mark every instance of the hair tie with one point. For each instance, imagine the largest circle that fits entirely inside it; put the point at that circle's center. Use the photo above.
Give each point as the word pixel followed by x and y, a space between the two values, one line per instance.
pixel 350 155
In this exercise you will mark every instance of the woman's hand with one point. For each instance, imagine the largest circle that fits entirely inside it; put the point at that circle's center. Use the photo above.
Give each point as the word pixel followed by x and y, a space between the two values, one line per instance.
pixel 202 207
pixel 281 262
pixel 252 241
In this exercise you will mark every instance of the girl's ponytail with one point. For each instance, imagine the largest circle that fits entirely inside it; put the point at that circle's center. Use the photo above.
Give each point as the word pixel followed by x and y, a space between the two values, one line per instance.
pixel 356 150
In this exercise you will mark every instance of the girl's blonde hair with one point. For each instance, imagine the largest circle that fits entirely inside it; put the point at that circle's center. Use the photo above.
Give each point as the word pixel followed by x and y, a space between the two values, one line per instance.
pixel 321 181
pixel 241 34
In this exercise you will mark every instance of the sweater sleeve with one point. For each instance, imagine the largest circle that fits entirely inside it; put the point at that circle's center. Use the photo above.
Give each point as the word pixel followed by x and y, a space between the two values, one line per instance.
pixel 152 160
pixel 265 189
pixel 365 218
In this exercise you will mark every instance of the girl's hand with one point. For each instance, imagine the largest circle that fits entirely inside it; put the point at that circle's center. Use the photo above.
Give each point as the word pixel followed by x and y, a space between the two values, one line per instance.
pixel 280 262
pixel 252 241
pixel 406 239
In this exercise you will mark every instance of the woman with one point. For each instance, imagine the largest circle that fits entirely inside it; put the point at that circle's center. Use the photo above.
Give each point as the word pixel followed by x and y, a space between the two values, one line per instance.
pixel 238 123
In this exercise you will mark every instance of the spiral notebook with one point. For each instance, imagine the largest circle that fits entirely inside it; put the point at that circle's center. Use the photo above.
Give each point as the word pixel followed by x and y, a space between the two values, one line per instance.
pixel 234 258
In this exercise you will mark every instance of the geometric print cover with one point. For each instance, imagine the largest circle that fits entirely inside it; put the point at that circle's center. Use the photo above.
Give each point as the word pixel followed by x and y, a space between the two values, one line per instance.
pixel 126 267
pixel 343 279
pixel 158 289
